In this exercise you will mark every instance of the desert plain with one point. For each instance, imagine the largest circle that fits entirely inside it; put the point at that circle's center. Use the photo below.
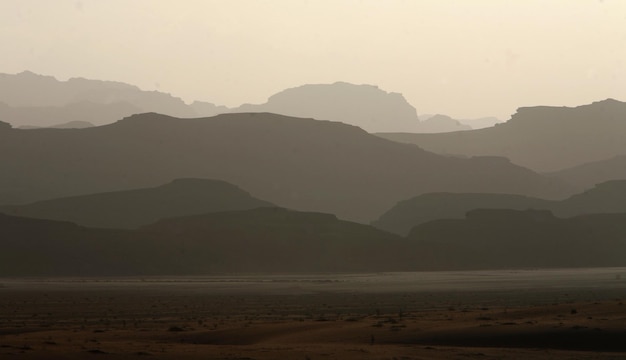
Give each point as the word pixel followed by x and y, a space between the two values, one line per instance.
pixel 523 314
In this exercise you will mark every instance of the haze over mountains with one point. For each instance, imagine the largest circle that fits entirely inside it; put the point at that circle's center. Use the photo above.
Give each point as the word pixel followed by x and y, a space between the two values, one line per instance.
pixel 28 99
pixel 273 240
pixel 151 193
pixel 608 197
pixel 302 164
pixel 132 209
pixel 365 106
pixel 542 138
pixel 586 175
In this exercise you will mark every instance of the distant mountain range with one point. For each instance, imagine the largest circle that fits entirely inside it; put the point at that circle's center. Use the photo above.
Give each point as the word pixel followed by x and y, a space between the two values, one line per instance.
pixel 541 138
pixel 462 124
pixel 32 100
pixel 365 106
pixel 67 125
pixel 132 209
pixel 609 197
pixel 274 240
pixel 301 164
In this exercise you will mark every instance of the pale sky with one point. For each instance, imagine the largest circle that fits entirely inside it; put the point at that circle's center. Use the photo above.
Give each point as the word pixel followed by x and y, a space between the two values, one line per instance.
pixel 467 58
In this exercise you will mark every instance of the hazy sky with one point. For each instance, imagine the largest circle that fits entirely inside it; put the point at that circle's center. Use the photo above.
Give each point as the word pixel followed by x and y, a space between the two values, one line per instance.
pixel 465 58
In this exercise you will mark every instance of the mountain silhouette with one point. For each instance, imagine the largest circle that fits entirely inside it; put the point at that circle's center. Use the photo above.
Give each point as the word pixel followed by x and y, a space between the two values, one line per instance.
pixel 586 175
pixel 275 240
pixel 49 248
pixel 206 109
pixel 608 197
pixel 134 208
pixel 507 239
pixel 259 240
pixel 49 116
pixel 30 99
pixel 401 218
pixel 541 138
pixel 440 124
pixel 466 124
pixel 301 164
pixel 365 106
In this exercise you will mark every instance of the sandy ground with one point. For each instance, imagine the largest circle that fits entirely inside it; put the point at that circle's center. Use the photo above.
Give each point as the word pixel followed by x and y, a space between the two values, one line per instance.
pixel 42 320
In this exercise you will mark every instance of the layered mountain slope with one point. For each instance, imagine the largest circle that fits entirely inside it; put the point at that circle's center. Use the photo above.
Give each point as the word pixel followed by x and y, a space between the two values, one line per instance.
pixel 541 138
pixel 134 208
pixel 301 164
pixel 586 175
pixel 276 240
pixel 501 239
pixel 609 197
pixel 270 240
pixel 406 214
pixel 260 240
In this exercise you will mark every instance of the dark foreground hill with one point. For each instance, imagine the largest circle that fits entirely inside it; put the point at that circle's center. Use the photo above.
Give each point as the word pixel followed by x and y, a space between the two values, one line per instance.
pixel 608 197
pixel 259 240
pixel 134 208
pixel 497 239
pixel 295 163
pixel 541 138
pixel 274 240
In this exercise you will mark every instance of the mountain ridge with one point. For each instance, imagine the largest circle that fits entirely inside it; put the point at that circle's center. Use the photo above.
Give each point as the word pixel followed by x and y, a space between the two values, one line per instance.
pixel 302 164
pixel 542 138
pixel 608 197
pixel 132 209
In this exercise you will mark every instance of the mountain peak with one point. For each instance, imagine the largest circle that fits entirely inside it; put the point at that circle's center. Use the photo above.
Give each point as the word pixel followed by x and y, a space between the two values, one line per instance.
pixel 365 106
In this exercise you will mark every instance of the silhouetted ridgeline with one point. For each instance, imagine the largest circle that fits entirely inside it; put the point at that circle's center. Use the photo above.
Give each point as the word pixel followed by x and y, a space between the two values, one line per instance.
pixel 28 99
pixel 365 106
pixel 586 175
pixel 36 100
pixel 134 208
pixel 48 116
pixel 492 239
pixel 541 138
pixel 260 240
pixel 296 163
pixel 277 240
pixel 406 214
pixel 441 123
pixel 609 197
